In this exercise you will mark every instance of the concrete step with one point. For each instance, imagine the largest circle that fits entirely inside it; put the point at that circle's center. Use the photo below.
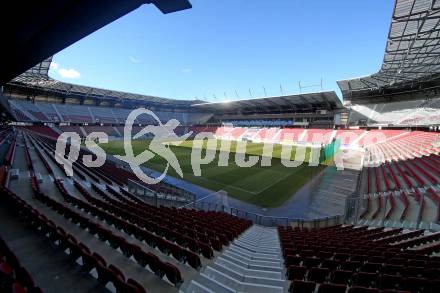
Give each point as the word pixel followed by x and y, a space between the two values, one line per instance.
pixel 272 267
pixel 246 279
pixel 256 252
pixel 196 287
pixel 254 256
pixel 249 272
pixel 264 234
pixel 242 286
pixel 204 283
pixel 257 249
pixel 259 240
pixel 252 261
pixel 260 247
pixel 259 236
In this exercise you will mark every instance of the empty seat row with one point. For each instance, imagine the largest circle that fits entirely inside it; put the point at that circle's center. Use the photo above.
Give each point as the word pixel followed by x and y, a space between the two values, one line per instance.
pixel 68 243
pixel 117 242
pixel 128 223
pixel 348 277
pixel 7 161
pixel 375 259
pixel 196 246
pixel 13 276
pixel 299 286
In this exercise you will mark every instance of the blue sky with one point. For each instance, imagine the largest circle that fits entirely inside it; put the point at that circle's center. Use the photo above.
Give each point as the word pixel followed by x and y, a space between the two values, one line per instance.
pixel 218 48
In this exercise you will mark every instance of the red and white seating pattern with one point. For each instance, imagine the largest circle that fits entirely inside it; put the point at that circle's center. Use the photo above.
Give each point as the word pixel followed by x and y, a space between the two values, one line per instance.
pixel 415 183
pixel 406 145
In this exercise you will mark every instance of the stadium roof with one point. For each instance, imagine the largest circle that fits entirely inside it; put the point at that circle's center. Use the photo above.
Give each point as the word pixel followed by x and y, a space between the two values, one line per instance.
pixel 37 80
pixel 412 54
pixel 299 102
pixel 32 31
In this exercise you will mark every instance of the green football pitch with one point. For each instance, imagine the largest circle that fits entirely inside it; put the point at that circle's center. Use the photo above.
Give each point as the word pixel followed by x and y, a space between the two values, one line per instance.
pixel 265 186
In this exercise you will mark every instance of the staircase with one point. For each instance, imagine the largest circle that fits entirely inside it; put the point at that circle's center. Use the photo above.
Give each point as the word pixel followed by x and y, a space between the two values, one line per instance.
pixel 252 263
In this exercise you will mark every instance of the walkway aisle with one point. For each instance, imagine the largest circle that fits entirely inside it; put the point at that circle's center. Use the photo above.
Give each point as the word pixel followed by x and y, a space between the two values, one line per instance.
pixel 252 263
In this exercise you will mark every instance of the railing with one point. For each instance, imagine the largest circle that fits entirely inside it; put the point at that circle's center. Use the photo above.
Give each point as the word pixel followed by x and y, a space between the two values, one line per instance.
pixel 352 203
pixel 269 221
pixel 352 209
pixel 150 196
pixel 156 198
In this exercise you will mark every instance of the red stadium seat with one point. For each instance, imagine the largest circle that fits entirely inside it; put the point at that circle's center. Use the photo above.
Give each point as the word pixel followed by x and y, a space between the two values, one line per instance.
pixel 173 274
pixel 365 279
pixel 357 289
pixel 341 256
pixel 292 260
pixel 351 265
pixel 392 269
pixel 23 276
pixel 331 264
pixel 18 288
pixel 370 267
pixel 193 259
pixel 414 272
pixel 139 287
pixel 205 249
pixel 310 262
pixel 332 288
pixel 296 272
pixel 318 275
pixel 389 282
pixel 88 262
pixel 342 277
pixel 299 286
pixel 176 252
pixel 6 269
pixel 415 284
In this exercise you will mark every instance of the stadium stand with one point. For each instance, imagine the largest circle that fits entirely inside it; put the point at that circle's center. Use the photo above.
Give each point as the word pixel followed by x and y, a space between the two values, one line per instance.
pixel 14 277
pixel 52 112
pixel 77 129
pixel 401 146
pixel 276 122
pixel 110 130
pixel 314 272
pixel 360 259
pixel 44 130
pixel 186 235
pixel 93 232
pixel 407 113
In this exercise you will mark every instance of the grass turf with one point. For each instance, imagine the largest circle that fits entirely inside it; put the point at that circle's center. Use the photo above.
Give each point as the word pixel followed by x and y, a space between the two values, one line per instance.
pixel 267 187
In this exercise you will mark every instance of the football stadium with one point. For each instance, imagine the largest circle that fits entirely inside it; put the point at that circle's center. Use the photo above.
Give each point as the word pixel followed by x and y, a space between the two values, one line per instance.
pixel 105 190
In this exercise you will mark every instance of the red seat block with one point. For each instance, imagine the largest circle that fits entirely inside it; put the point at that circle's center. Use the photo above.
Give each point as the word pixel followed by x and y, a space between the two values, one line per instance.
pixel 173 274
pixel 332 288
pixel 299 286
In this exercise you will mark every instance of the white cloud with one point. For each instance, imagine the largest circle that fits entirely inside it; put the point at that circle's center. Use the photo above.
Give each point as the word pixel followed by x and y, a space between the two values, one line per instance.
pixel 68 73
pixel 185 70
pixel 63 72
pixel 134 60
pixel 53 66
